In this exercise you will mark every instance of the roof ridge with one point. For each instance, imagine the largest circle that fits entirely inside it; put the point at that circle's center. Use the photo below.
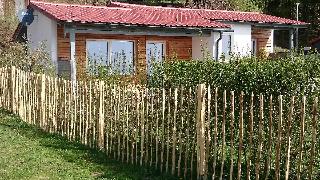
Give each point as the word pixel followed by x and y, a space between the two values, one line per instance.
pixel 80 5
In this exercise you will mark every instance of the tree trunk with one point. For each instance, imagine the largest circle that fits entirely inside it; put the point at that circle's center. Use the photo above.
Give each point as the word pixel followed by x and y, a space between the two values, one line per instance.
pixel 1 8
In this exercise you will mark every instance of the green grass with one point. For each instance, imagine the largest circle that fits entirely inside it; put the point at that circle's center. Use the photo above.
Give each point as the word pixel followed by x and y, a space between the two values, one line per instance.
pixel 29 153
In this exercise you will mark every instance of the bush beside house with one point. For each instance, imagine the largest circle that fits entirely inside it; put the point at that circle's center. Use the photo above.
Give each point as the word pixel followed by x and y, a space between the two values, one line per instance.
pixel 287 76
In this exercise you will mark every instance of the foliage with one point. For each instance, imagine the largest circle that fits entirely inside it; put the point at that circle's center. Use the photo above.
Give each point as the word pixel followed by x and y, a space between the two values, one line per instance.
pixel 109 76
pixel 116 71
pixel 19 54
pixel 8 26
pixel 309 11
pixel 288 75
pixel 245 5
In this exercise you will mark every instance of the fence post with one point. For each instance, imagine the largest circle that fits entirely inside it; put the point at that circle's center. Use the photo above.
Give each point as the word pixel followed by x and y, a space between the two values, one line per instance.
pixel 12 84
pixel 201 106
pixel 101 115
pixel 314 137
pixel 42 101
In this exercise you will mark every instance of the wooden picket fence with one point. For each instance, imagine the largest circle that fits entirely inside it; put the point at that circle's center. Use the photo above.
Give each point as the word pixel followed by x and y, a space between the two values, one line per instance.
pixel 201 133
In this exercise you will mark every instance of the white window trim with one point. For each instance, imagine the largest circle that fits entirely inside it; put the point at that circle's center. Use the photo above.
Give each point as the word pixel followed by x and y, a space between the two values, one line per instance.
pixel 109 41
pixel 231 50
pixel 164 46
pixel 255 47
pixel 232 40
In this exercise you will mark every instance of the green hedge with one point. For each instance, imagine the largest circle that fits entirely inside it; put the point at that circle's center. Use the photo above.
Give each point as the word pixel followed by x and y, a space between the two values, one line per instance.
pixel 290 75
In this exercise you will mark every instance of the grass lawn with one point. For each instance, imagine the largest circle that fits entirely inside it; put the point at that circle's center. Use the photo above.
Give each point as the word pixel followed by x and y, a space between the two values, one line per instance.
pixel 28 153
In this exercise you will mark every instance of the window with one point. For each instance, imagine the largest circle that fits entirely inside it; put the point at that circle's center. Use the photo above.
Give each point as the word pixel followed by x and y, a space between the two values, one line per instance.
pixel 114 55
pixel 122 56
pixel 226 45
pixel 254 47
pixel 97 54
pixel 155 54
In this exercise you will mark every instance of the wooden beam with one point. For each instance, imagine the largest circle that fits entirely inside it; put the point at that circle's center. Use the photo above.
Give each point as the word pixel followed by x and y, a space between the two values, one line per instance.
pixel 73 54
pixel 291 39
pixel 131 30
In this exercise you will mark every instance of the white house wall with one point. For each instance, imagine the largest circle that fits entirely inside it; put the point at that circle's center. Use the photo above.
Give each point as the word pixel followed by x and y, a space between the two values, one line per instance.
pixel 205 46
pixel 241 39
pixel 200 46
pixel 43 30
pixel 241 42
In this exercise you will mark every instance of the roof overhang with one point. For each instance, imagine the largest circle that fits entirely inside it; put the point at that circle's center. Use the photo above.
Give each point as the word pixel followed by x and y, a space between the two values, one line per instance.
pixel 277 26
pixel 280 26
pixel 124 29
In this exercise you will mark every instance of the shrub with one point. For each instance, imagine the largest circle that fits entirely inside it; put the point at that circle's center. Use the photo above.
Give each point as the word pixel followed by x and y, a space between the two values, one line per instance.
pixel 287 76
pixel 18 54
pixel 8 26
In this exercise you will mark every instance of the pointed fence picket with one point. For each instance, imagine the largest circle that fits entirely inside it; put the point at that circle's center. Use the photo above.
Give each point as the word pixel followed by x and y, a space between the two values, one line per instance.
pixel 202 133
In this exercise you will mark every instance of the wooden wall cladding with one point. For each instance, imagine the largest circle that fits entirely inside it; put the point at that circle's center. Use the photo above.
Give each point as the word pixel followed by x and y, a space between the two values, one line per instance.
pixel 63 45
pixel 264 39
pixel 176 46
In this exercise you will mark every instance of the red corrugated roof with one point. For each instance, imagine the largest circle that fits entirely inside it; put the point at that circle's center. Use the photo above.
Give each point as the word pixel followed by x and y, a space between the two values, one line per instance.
pixel 218 14
pixel 123 13
pixel 118 15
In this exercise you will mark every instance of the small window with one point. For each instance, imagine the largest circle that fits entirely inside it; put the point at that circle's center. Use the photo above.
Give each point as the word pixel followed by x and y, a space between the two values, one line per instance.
pixel 226 45
pixel 114 55
pixel 254 47
pixel 155 54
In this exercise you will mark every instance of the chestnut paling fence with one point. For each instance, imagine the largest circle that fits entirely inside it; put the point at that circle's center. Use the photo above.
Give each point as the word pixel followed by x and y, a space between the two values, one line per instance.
pixel 194 133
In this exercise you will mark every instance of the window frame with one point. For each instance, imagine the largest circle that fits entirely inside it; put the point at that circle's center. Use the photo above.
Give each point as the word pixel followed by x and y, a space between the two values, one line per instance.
pixel 164 50
pixel 255 50
pixel 109 54
pixel 101 40
pixel 230 46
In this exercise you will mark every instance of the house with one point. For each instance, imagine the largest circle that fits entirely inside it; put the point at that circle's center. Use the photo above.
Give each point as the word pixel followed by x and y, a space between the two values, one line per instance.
pixel 80 37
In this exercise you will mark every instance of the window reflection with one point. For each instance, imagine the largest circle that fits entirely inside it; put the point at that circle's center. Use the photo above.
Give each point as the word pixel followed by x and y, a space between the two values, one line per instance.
pixel 226 45
pixel 115 56
pixel 97 54
pixel 122 56
pixel 155 54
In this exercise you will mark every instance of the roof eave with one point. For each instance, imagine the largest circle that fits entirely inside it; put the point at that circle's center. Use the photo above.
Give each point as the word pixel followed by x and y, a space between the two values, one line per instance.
pixel 281 26
pixel 104 24
pixel 140 29
pixel 268 25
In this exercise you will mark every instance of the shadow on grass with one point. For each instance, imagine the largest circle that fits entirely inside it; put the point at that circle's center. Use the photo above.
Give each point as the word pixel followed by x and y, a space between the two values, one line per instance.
pixel 99 164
